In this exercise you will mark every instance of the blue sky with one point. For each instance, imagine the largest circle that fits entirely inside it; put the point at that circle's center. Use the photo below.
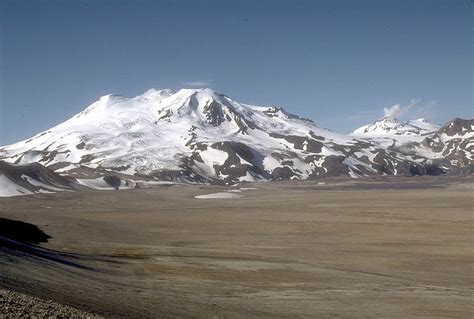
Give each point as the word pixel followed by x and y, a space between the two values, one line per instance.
pixel 339 63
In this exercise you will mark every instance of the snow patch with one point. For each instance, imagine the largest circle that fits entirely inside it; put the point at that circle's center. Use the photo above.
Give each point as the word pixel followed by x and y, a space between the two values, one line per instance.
pixel 9 188
pixel 36 183
pixel 219 195
pixel 95 183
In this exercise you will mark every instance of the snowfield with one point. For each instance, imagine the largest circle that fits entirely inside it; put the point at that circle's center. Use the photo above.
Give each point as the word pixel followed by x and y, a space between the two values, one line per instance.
pixel 202 136
pixel 9 188
pixel 391 131
pixel 218 196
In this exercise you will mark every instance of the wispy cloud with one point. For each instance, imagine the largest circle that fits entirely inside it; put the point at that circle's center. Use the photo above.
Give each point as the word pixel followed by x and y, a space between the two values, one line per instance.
pixel 413 109
pixel 199 83
pixel 399 110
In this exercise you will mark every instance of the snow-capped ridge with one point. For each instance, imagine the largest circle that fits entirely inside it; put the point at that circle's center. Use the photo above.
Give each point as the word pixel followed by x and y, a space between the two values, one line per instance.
pixel 392 127
pixel 201 135
pixel 154 93
pixel 421 120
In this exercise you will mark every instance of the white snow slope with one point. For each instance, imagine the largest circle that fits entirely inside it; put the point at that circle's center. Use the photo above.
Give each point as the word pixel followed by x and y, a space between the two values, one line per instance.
pixel 391 131
pixel 211 137
pixel 9 188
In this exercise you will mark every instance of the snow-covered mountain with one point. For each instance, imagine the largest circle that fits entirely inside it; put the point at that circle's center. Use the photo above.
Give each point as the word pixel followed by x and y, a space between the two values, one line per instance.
pixel 392 127
pixel 450 146
pixel 391 131
pixel 200 135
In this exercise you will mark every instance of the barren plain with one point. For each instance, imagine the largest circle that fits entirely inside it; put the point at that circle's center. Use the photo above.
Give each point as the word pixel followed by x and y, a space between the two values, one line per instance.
pixel 340 248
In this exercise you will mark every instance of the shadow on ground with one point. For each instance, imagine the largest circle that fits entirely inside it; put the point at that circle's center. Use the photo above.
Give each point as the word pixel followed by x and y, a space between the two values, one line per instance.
pixel 22 232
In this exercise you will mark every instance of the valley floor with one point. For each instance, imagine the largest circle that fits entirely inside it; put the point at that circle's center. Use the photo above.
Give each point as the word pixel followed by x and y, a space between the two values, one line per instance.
pixel 372 248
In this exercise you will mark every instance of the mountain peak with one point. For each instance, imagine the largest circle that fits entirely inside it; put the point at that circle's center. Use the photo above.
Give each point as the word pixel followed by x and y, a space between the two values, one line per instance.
pixel 153 93
pixel 388 119
pixel 202 93
pixel 201 135
pixel 421 119
pixel 198 90
pixel 392 127
pixel 458 126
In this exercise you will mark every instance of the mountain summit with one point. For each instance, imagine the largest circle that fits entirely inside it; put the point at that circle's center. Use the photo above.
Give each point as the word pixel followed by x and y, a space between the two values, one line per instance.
pixel 392 127
pixel 200 135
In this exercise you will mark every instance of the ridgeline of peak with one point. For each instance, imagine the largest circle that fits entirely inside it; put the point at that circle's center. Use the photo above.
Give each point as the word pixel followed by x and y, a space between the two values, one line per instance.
pixel 421 119
pixel 457 127
pixel 392 127
pixel 152 93
pixel 201 135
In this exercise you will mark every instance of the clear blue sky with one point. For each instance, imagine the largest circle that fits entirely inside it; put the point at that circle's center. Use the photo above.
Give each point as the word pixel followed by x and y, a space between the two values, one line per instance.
pixel 337 62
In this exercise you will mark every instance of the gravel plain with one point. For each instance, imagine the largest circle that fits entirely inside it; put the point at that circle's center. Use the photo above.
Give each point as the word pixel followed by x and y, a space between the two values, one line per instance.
pixel 372 248
pixel 18 305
